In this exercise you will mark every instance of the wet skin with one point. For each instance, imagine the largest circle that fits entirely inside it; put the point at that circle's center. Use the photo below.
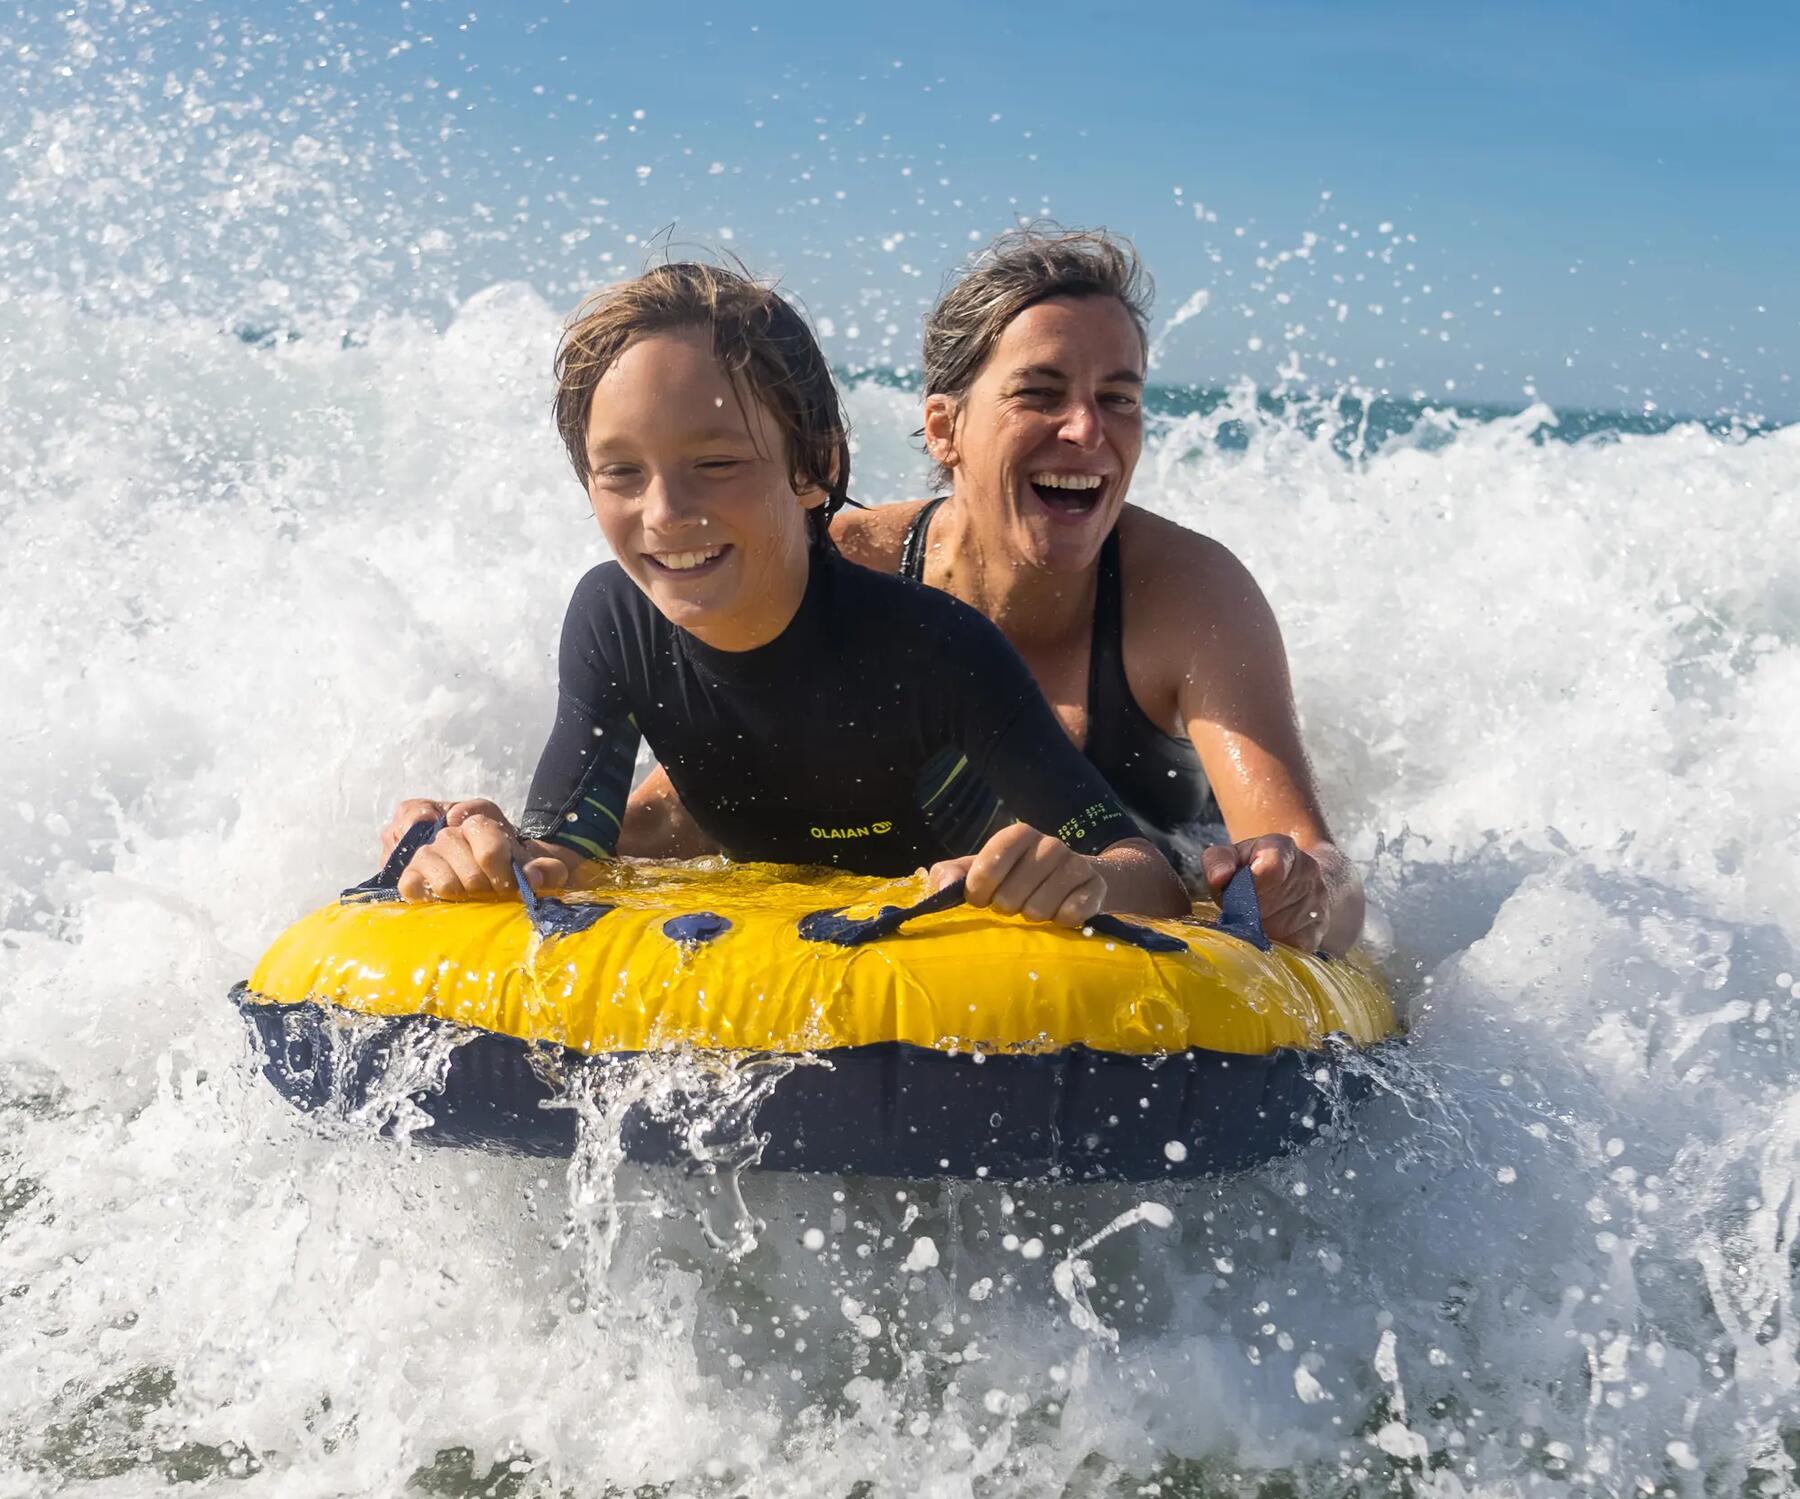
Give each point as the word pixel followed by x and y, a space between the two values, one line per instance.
pixel 689 484
pixel 1060 395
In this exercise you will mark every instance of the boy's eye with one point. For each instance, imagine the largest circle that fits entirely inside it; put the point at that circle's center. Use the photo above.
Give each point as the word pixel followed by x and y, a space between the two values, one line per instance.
pixel 720 463
pixel 1123 400
pixel 614 472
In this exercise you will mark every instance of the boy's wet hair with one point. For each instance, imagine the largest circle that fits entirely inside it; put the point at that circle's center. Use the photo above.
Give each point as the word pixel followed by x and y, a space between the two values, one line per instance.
pixel 763 344
pixel 1019 269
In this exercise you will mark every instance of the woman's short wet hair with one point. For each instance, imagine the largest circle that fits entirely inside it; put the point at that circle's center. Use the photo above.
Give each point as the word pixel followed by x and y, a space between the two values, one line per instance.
pixel 1019 269
pixel 761 341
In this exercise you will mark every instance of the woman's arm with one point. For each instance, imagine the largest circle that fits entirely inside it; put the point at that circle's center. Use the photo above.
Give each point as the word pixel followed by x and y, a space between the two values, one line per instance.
pixel 1236 700
pixel 659 826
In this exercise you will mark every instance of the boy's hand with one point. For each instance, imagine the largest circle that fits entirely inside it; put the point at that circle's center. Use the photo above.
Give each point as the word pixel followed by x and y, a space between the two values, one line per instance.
pixel 474 853
pixel 417 809
pixel 1022 872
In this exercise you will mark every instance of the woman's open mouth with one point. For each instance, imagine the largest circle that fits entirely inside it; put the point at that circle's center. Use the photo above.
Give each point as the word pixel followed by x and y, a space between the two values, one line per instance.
pixel 694 564
pixel 1068 496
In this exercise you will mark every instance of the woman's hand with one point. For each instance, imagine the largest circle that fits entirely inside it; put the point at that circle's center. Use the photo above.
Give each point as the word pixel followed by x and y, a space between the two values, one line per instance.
pixel 1292 886
pixel 474 853
pixel 1022 872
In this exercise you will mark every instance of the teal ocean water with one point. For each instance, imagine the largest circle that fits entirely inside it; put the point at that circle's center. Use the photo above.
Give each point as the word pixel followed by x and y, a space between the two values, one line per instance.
pixel 1359 422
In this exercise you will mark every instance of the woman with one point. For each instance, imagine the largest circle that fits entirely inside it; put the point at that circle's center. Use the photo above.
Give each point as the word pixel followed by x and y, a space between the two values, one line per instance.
pixel 779 685
pixel 1152 643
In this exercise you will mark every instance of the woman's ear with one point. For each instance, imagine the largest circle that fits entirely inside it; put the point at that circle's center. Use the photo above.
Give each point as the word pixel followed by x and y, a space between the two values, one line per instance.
pixel 940 429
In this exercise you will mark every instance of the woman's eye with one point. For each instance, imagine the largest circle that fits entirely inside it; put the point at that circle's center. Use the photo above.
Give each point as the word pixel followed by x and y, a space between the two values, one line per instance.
pixel 717 464
pixel 616 473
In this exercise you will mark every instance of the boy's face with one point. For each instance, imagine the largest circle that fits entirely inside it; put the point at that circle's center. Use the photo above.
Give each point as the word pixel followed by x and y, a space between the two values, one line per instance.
pixel 689 481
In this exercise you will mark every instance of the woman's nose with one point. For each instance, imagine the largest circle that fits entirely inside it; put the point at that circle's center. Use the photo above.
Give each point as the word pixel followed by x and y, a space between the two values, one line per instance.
pixel 1081 424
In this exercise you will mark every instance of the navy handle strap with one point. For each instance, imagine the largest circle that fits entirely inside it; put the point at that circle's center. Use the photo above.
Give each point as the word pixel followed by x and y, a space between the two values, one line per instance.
pixel 554 918
pixel 1121 930
pixel 385 883
pixel 846 931
pixel 549 917
pixel 1240 913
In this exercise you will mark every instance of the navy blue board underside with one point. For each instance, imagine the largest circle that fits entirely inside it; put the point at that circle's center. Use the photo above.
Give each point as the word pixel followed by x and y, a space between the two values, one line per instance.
pixel 889 1109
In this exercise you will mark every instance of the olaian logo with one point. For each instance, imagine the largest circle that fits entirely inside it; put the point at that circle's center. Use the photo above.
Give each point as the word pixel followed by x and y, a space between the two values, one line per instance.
pixel 873 830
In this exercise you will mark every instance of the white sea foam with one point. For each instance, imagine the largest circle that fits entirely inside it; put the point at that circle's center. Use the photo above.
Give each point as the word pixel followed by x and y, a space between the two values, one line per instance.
pixel 255 593
pixel 252 593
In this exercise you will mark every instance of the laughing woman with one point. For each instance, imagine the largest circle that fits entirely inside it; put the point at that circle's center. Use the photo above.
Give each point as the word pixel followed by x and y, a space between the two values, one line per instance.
pixel 1153 644
pixel 805 709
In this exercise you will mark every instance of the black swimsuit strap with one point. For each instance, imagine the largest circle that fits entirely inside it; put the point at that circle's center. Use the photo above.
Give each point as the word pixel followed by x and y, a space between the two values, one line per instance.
pixel 912 550
pixel 1106 647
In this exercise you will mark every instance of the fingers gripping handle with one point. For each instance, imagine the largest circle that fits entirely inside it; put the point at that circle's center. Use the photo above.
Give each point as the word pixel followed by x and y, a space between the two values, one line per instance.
pixel 385 884
pixel 549 917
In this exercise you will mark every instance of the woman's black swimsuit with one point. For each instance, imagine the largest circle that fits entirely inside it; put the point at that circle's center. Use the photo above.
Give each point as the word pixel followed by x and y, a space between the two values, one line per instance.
pixel 880 731
pixel 1158 775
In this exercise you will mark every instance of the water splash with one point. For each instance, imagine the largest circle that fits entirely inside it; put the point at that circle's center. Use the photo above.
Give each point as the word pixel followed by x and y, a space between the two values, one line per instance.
pixel 1550 687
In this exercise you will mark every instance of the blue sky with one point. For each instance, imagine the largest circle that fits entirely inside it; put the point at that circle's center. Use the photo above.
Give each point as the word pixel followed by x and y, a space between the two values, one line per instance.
pixel 1595 202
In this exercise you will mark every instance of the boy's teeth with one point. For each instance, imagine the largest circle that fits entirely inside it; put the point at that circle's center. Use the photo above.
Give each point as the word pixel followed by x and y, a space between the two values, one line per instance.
pixel 682 561
pixel 1067 481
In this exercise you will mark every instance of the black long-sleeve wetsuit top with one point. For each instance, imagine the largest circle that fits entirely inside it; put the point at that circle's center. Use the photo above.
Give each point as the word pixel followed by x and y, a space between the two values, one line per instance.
pixel 883 729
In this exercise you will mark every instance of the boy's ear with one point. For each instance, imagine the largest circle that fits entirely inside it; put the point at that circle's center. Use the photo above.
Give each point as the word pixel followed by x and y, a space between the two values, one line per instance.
pixel 940 429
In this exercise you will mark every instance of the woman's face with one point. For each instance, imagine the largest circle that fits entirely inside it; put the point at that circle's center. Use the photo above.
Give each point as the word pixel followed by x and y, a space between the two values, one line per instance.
pixel 1047 436
pixel 690 484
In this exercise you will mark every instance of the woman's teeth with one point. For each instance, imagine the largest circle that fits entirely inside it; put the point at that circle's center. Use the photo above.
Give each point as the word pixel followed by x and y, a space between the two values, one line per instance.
pixel 1073 493
pixel 681 562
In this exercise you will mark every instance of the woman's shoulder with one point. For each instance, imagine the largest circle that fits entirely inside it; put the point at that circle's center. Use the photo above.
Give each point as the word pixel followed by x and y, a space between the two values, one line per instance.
pixel 876 535
pixel 1179 574
pixel 896 611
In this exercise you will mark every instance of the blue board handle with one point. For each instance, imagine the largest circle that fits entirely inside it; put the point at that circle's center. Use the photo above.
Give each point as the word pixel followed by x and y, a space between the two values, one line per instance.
pixel 847 931
pixel 549 917
pixel 1240 912
pixel 385 882
pixel 1240 915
